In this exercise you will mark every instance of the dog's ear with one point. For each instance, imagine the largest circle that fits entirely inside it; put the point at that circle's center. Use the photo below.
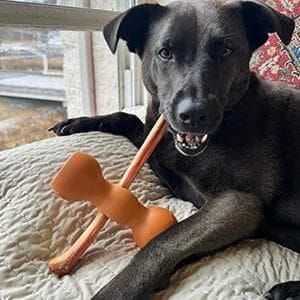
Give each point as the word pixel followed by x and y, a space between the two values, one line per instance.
pixel 132 26
pixel 260 19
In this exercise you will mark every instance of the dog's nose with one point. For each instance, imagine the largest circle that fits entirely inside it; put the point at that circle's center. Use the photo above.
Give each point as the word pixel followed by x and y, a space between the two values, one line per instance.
pixel 193 113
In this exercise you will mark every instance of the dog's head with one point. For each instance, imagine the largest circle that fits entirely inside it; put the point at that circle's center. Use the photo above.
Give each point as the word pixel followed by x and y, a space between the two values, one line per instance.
pixel 195 57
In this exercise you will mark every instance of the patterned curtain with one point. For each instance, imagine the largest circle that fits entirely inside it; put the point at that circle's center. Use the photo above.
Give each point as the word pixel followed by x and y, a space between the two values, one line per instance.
pixel 275 61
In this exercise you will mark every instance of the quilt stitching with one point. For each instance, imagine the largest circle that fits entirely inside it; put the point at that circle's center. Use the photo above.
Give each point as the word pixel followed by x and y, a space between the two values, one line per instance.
pixel 27 222
pixel 25 193
pixel 41 179
pixel 21 277
pixel 202 288
pixel 30 261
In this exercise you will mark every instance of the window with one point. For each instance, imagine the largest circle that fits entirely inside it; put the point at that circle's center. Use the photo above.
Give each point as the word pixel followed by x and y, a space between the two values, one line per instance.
pixel 50 65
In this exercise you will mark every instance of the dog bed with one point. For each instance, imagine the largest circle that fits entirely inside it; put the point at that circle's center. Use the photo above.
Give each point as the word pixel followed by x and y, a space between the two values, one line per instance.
pixel 36 225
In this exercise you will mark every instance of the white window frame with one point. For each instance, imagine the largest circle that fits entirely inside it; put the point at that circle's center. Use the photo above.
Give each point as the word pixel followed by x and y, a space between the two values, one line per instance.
pixel 43 16
pixel 56 17
pixel 133 92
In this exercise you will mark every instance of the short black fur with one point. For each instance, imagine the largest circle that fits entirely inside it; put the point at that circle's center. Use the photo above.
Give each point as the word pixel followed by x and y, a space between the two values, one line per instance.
pixel 247 181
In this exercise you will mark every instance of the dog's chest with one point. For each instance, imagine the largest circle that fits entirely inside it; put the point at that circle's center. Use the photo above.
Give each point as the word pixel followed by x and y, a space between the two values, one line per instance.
pixel 252 168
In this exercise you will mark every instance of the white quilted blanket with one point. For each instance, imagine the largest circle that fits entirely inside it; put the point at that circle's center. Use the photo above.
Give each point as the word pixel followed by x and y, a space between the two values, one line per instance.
pixel 35 225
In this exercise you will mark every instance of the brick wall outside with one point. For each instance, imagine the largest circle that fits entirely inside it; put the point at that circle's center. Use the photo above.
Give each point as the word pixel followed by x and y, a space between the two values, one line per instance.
pixel 105 66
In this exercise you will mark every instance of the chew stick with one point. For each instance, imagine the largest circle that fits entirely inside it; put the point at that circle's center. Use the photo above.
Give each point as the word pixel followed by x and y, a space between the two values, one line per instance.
pixel 64 263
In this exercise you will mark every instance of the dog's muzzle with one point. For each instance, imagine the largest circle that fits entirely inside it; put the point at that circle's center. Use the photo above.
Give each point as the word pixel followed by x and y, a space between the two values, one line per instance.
pixel 190 144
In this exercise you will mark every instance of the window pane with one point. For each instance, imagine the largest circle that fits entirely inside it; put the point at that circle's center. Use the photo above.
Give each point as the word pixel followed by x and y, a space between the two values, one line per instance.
pixel 40 77
pixel 115 5
pixel 23 121
pixel 32 91
pixel 31 63
pixel 31 51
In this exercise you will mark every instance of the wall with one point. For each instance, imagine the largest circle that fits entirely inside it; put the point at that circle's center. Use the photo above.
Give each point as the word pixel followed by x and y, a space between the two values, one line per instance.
pixel 105 68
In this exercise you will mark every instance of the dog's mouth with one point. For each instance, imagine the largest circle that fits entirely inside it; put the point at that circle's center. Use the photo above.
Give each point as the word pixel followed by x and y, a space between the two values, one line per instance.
pixel 190 144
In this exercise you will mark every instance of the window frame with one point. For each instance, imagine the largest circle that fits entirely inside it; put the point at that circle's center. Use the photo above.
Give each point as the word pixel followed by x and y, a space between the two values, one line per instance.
pixel 66 18
pixel 56 17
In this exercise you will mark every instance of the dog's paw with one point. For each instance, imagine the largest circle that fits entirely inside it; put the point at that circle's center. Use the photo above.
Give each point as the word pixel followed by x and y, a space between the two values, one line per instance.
pixel 68 127
pixel 284 291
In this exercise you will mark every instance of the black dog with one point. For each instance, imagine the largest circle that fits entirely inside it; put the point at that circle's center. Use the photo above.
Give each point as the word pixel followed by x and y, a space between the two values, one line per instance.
pixel 233 146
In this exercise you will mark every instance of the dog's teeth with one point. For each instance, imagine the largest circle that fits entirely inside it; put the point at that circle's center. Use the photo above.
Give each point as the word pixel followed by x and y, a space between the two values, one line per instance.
pixel 179 138
pixel 204 139
pixel 184 145
pixel 197 139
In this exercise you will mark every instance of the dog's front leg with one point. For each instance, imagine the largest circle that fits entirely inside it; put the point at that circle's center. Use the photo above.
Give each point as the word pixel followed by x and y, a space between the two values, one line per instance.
pixel 220 222
pixel 119 123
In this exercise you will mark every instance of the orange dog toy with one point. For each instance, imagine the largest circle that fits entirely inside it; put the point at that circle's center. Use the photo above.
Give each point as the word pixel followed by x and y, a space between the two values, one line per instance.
pixel 81 178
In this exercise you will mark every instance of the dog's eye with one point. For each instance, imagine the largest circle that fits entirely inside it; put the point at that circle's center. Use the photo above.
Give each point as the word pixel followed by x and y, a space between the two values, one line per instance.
pixel 226 51
pixel 165 54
